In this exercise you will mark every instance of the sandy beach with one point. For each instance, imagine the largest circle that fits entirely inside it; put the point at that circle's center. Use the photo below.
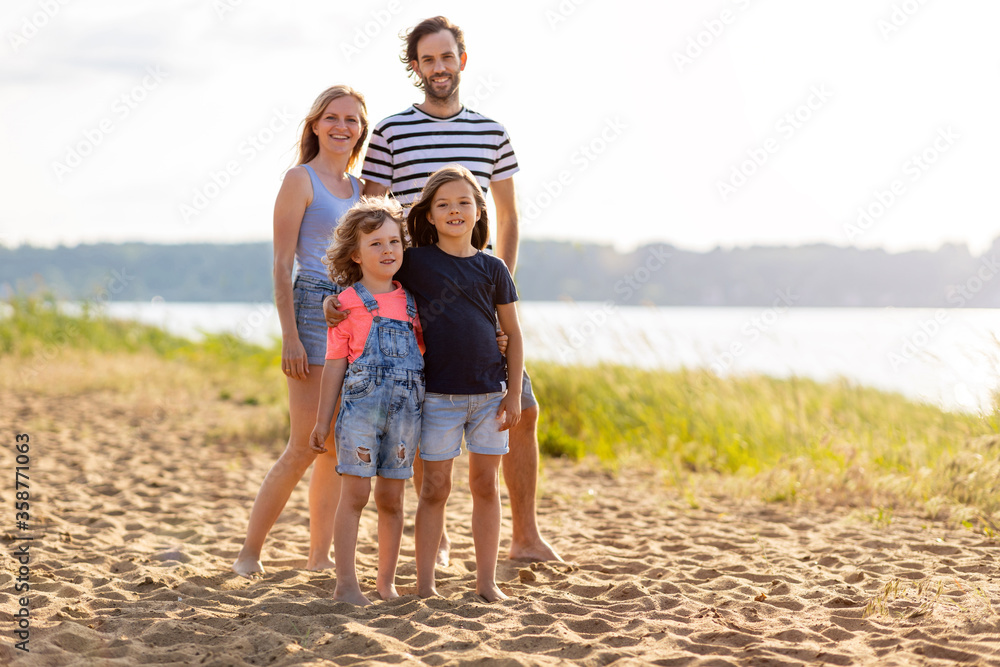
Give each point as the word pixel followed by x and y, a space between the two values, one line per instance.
pixel 139 509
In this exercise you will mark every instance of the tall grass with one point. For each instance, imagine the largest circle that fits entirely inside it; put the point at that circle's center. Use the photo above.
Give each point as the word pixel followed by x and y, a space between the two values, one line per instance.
pixel 38 337
pixel 36 325
pixel 785 439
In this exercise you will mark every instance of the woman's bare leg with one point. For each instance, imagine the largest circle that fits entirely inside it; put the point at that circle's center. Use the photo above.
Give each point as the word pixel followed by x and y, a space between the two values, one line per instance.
pixel 303 398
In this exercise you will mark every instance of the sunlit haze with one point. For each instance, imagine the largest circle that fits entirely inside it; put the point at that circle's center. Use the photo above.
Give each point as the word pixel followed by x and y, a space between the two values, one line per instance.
pixel 705 124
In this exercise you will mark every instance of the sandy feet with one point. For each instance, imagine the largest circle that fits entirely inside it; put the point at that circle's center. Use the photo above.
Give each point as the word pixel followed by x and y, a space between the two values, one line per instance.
pixel 536 552
pixel 248 567
pixel 320 564
pixel 491 593
pixel 355 597
pixel 387 592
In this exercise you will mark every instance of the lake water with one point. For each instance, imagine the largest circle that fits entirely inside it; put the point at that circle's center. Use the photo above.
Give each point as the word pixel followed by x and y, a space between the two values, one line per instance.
pixel 950 357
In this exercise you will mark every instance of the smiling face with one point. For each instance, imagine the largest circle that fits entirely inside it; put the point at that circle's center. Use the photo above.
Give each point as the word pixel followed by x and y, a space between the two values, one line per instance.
pixel 339 126
pixel 439 65
pixel 380 252
pixel 453 210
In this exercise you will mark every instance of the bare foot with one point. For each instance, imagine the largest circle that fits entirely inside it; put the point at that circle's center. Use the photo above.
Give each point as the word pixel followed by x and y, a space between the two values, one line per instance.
pixel 537 551
pixel 444 551
pixel 320 564
pixel 248 566
pixel 355 597
pixel 428 592
pixel 388 592
pixel 491 593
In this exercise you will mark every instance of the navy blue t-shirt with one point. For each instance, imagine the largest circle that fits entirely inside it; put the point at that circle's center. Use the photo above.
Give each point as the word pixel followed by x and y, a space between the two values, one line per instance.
pixel 456 300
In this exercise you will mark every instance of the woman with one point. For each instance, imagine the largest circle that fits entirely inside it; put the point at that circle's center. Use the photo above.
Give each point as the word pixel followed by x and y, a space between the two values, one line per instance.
pixel 313 197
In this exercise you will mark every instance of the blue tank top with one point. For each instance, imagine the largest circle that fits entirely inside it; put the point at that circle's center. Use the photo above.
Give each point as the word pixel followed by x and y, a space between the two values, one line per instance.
pixel 318 223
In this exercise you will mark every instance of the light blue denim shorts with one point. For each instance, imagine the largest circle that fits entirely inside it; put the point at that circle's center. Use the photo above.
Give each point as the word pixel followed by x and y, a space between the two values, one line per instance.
pixel 447 417
pixel 378 427
pixel 307 295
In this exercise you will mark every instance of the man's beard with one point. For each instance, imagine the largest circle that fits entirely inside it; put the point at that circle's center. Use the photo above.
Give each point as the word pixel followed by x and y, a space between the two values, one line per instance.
pixel 447 94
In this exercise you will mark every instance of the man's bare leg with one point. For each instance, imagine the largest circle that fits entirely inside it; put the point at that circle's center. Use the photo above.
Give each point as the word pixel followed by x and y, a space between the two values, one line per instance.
pixel 520 473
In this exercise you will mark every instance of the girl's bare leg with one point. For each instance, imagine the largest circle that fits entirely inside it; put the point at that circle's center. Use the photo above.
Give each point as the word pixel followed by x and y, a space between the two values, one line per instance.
pixel 303 398
pixel 444 548
pixel 353 498
pixel 389 501
pixel 484 484
pixel 434 493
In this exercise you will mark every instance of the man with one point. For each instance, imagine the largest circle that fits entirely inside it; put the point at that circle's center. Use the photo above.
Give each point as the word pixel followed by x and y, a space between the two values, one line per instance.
pixel 404 150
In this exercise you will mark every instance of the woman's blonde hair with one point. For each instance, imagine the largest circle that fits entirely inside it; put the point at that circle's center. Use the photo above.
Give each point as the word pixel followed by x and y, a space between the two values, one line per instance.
pixel 424 233
pixel 309 142
pixel 369 214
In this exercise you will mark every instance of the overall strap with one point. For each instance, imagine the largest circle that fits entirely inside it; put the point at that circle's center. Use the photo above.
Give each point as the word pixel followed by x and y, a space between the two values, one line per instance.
pixel 411 307
pixel 366 297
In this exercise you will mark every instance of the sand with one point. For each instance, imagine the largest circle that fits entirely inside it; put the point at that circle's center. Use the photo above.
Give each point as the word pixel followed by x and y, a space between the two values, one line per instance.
pixel 140 513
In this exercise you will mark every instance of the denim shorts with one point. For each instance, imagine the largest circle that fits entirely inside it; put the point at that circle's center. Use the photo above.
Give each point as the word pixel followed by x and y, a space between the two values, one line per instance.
pixel 448 416
pixel 378 427
pixel 307 295
pixel 528 399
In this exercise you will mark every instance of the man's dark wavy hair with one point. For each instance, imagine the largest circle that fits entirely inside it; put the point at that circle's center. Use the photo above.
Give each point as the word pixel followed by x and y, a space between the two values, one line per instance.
pixel 426 27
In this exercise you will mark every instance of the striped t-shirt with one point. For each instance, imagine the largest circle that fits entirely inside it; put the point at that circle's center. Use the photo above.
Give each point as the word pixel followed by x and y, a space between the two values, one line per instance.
pixel 406 148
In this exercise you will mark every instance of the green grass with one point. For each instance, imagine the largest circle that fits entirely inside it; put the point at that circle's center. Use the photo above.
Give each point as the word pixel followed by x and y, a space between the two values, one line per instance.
pixel 786 439
pixel 36 332
pixel 35 326
pixel 775 439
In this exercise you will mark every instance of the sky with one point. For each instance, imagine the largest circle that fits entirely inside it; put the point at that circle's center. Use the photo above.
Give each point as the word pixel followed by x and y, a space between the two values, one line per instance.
pixel 700 124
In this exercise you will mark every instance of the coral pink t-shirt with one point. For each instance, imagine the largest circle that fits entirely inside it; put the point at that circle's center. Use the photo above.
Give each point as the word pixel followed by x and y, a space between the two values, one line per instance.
pixel 347 339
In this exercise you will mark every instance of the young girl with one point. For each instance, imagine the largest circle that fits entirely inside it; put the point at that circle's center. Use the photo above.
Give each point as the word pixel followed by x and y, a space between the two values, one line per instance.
pixel 460 292
pixel 378 348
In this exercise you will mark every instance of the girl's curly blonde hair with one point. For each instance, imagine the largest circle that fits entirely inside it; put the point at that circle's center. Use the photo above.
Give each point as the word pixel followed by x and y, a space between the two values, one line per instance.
pixel 369 214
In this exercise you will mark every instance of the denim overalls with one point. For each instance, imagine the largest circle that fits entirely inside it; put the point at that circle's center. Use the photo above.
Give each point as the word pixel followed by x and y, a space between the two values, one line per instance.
pixel 382 398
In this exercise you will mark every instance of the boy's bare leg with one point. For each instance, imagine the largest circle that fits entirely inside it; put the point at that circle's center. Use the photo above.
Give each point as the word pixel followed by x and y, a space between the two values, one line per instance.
pixel 303 398
pixel 520 473
pixel 484 483
pixel 353 498
pixel 389 501
pixel 434 491
pixel 444 548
